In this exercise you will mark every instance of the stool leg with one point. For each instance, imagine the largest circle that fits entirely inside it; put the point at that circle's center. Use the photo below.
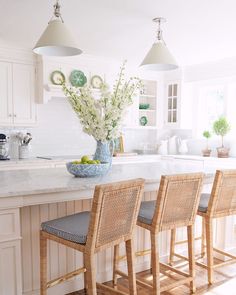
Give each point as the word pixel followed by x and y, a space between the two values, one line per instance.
pixel 155 264
pixel 131 268
pixel 209 246
pixel 115 264
pixel 172 246
pixel 43 265
pixel 191 258
pixel 85 275
pixel 151 264
pixel 203 238
pixel 91 273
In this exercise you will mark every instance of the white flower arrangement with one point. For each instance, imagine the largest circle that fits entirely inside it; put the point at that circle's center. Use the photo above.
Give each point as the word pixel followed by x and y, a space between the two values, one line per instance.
pixel 102 117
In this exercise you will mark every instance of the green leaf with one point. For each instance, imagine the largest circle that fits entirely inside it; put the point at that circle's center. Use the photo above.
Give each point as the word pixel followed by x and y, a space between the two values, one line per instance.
pixel 221 126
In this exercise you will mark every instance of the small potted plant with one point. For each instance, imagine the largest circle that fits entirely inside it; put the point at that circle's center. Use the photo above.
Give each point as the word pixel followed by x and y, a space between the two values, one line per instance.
pixel 222 127
pixel 206 152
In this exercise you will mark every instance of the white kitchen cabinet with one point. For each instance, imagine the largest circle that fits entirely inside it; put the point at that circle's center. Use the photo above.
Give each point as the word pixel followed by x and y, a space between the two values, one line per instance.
pixel 5 93
pixel 10 268
pixel 10 252
pixel 131 115
pixel 17 94
pixel 23 94
pixel 172 113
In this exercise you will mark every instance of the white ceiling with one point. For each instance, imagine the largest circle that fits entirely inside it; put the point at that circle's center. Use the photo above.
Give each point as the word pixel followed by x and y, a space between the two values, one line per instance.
pixel 196 30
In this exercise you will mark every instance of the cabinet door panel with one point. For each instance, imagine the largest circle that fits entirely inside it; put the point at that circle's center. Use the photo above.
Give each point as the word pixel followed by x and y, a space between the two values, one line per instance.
pixel 23 94
pixel 172 111
pixel 131 114
pixel 5 93
pixel 10 268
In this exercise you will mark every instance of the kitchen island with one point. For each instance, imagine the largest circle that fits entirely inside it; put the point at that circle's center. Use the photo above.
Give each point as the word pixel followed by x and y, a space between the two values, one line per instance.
pixel 31 196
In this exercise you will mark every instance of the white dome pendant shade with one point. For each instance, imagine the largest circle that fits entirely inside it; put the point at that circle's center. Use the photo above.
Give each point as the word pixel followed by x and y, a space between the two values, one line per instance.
pixel 159 57
pixel 56 40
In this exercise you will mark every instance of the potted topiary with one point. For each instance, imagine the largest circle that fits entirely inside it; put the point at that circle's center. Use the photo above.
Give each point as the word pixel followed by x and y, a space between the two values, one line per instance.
pixel 221 127
pixel 206 152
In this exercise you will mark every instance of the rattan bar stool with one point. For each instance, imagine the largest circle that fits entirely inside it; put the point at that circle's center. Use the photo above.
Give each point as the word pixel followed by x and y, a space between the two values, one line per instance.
pixel 220 203
pixel 176 206
pixel 111 221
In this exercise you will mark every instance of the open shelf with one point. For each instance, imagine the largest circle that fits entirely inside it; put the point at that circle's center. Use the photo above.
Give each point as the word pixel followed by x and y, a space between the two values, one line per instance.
pixel 148 96
pixel 143 110
pixel 56 91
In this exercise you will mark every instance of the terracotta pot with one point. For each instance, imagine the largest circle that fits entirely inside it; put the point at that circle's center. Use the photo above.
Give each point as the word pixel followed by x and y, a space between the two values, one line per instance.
pixel 223 152
pixel 206 152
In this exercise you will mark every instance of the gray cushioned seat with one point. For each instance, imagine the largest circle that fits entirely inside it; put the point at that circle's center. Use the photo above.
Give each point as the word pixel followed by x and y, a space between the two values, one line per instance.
pixel 147 208
pixel 72 228
pixel 204 200
pixel 146 211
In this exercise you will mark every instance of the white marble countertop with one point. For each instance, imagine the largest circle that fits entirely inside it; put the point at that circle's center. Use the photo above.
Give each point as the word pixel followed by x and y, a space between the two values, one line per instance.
pixel 116 160
pixel 41 181
pixel 61 160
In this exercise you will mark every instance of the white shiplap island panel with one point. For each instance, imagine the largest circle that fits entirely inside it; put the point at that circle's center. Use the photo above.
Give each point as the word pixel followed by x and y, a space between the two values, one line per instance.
pixel 29 197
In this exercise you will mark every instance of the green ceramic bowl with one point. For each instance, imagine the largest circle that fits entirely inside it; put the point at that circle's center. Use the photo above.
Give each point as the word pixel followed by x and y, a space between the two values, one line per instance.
pixel 144 106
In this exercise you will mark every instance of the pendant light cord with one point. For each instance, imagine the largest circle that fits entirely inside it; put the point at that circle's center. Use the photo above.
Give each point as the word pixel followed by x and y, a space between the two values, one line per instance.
pixel 159 31
pixel 57 11
pixel 159 21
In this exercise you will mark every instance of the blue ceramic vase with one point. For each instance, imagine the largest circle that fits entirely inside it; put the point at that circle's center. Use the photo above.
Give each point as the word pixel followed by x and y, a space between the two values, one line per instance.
pixel 104 151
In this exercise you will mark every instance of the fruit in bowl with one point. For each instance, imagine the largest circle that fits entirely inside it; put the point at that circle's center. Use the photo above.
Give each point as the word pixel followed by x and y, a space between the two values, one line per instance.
pixel 85 167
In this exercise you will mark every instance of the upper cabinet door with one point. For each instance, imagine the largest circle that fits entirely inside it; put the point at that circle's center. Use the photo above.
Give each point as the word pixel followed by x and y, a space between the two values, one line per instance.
pixel 23 94
pixel 173 105
pixel 5 93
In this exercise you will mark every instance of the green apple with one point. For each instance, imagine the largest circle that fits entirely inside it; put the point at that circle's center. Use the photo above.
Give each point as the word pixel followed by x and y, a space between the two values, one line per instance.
pixel 85 159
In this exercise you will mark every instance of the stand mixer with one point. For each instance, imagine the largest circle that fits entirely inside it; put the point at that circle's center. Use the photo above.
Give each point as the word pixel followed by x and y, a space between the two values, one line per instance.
pixel 3 147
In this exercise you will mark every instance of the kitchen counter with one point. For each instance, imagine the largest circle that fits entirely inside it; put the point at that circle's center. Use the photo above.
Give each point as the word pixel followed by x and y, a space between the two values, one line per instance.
pixel 60 161
pixel 40 181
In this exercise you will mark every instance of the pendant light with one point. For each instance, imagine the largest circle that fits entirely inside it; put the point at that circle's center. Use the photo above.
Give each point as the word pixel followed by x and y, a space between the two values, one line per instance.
pixel 56 40
pixel 159 57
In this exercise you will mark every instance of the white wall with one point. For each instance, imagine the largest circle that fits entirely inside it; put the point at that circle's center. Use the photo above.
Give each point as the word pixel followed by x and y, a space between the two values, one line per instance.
pixel 58 132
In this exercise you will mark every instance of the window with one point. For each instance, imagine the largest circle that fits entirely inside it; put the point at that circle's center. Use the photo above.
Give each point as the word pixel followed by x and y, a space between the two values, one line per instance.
pixel 204 102
pixel 212 105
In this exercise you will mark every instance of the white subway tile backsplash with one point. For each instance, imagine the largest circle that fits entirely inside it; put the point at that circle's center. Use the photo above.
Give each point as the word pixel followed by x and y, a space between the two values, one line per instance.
pixel 58 132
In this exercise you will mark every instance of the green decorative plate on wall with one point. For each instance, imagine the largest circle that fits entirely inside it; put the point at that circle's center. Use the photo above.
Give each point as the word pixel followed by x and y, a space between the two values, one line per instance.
pixel 78 78
pixel 57 78
pixel 143 121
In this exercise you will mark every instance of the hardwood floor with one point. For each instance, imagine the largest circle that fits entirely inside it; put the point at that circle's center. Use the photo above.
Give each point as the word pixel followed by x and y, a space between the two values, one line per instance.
pixel 225 283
